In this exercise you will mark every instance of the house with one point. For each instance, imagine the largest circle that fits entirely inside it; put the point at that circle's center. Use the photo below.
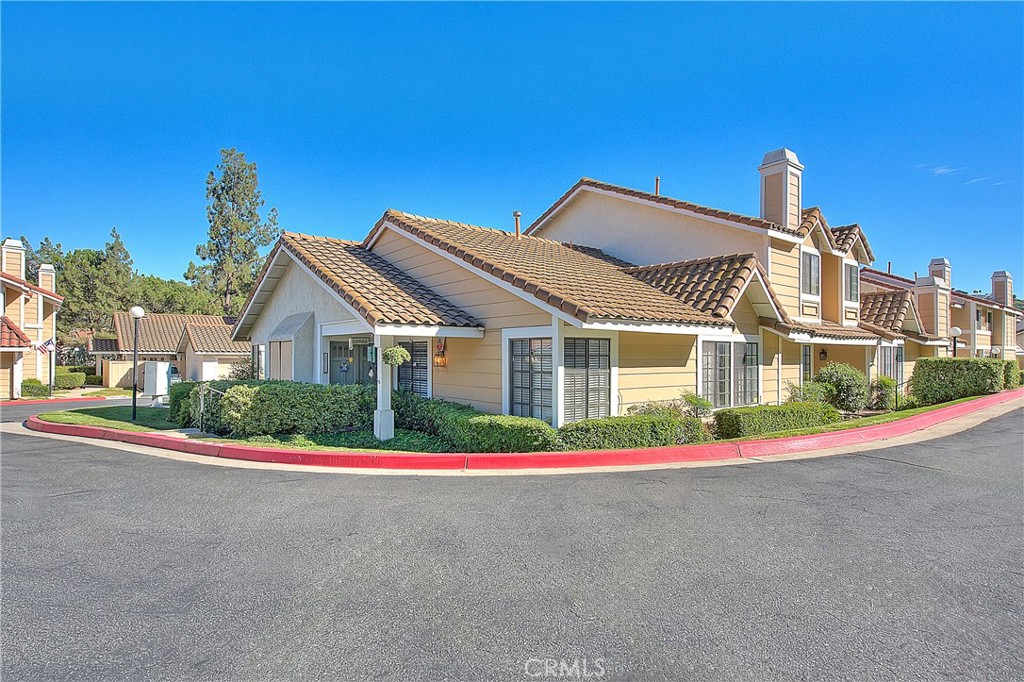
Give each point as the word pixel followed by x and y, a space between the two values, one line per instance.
pixel 987 322
pixel 199 346
pixel 29 318
pixel 611 298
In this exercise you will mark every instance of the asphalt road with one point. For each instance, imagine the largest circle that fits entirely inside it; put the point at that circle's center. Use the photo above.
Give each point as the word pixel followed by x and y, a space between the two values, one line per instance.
pixel 18 413
pixel 903 563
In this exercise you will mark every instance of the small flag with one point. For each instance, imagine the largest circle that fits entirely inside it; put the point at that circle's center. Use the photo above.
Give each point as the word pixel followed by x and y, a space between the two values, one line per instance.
pixel 46 346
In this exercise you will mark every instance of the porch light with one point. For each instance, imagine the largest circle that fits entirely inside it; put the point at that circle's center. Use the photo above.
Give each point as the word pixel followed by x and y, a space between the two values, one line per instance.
pixel 823 355
pixel 440 360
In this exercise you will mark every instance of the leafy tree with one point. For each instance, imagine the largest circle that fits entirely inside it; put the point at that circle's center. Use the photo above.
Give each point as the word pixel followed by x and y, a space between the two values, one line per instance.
pixel 158 295
pixel 231 260
pixel 48 252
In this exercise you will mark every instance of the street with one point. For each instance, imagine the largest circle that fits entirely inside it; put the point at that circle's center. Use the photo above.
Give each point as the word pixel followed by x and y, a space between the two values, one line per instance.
pixel 901 563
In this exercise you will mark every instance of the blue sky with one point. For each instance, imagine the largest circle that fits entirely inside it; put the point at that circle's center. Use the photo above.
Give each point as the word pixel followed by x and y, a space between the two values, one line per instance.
pixel 908 118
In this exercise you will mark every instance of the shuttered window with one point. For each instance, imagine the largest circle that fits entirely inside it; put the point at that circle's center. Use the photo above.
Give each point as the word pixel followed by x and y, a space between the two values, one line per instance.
pixel 413 375
pixel 588 380
pixel 530 377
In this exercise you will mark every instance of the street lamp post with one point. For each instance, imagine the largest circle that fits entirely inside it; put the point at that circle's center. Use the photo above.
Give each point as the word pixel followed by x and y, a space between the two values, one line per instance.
pixel 955 332
pixel 137 314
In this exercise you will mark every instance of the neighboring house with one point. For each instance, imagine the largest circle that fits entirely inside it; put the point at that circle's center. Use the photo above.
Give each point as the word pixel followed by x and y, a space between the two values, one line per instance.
pixel 29 318
pixel 612 298
pixel 165 337
pixel 987 322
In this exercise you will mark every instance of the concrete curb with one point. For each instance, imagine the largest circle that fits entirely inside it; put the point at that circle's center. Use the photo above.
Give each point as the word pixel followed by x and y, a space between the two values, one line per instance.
pixel 536 460
pixel 50 401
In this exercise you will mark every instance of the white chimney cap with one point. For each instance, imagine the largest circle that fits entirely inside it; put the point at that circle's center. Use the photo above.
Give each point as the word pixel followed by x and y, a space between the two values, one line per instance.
pixel 778 156
pixel 1001 274
pixel 12 243
pixel 938 261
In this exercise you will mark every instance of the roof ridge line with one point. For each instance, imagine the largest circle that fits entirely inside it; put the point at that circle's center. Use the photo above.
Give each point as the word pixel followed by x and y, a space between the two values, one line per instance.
pixel 691 261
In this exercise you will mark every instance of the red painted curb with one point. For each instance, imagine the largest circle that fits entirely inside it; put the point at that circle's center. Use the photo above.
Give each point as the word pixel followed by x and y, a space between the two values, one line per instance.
pixel 536 460
pixel 45 401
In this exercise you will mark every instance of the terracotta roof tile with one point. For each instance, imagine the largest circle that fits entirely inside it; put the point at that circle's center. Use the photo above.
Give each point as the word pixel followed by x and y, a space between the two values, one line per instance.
pixel 712 285
pixel 841 238
pixel 822 330
pixel 22 283
pixel 213 338
pixel 886 310
pixel 660 199
pixel 159 332
pixel 573 279
pixel 378 290
pixel 11 335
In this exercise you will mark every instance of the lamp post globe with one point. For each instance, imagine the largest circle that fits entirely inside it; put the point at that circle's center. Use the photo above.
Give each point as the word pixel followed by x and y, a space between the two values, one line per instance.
pixel 137 313
pixel 955 332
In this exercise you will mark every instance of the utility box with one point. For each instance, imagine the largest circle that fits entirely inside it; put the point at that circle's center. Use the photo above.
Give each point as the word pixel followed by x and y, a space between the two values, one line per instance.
pixel 155 378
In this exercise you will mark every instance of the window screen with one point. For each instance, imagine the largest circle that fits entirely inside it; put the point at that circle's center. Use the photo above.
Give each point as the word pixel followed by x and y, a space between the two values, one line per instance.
pixel 530 378
pixel 587 379
pixel 412 375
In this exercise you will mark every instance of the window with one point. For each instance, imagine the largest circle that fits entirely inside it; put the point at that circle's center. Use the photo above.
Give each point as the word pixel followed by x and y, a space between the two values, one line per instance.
pixel 587 378
pixel 530 378
pixel 413 375
pixel 729 373
pixel 281 360
pixel 258 358
pixel 988 319
pixel 852 283
pixel 890 363
pixel 806 371
pixel 811 274
pixel 899 365
pixel 977 319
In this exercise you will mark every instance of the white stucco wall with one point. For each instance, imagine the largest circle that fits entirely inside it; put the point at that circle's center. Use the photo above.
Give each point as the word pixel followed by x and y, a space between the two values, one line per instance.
pixel 300 291
pixel 645 234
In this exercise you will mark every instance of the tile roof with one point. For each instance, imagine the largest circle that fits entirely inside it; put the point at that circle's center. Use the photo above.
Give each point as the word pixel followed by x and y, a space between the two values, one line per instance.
pixel 572 279
pixel 212 338
pixel 659 199
pixel 822 330
pixel 378 290
pixel 887 310
pixel 97 345
pixel 159 332
pixel 11 335
pixel 841 238
pixel 26 285
pixel 712 285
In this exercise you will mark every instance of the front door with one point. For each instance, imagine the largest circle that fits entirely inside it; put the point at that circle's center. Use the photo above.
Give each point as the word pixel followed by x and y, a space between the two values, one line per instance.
pixel 351 366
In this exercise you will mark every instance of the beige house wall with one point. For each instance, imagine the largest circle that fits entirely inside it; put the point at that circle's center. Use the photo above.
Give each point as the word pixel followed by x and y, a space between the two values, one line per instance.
pixel 790 366
pixel 784 273
pixel 6 374
pixel 655 367
pixel 831 287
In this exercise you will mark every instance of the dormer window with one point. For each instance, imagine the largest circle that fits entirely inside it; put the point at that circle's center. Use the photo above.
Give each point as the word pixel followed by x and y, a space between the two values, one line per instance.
pixel 852 282
pixel 811 274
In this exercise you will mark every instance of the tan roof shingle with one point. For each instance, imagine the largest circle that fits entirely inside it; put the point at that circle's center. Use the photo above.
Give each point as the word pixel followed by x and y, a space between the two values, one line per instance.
pixel 821 330
pixel 886 310
pixel 212 338
pixel 159 332
pixel 572 279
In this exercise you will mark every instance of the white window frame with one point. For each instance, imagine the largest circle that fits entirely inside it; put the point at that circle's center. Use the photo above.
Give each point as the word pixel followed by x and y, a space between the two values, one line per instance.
pixel 510 333
pixel 733 340
pixel 847 302
pixel 564 332
pixel 804 295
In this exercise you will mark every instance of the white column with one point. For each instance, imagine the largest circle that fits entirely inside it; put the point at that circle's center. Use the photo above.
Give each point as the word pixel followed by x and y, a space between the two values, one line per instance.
pixel 558 364
pixel 383 416
pixel 17 377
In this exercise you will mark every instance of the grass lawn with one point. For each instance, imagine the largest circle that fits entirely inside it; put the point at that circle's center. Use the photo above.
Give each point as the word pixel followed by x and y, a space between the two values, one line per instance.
pixel 362 441
pixel 113 391
pixel 149 418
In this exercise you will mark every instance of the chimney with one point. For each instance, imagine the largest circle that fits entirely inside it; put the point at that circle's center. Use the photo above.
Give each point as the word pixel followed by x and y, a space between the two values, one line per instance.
pixel 940 269
pixel 12 256
pixel 781 187
pixel 1002 288
pixel 517 215
pixel 657 185
pixel 47 277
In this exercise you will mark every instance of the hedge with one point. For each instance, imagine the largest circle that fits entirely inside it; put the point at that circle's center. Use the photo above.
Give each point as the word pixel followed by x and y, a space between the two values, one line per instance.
pixel 66 380
pixel 84 369
pixel 465 429
pixel 1011 374
pixel 939 380
pixel 93 380
pixel 883 393
pixel 653 429
pixel 33 388
pixel 178 402
pixel 186 412
pixel 285 407
pixel 752 421
pixel 846 387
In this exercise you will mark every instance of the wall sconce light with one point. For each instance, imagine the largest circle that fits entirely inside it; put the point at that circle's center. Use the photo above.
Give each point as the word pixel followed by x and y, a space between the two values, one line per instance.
pixel 823 355
pixel 439 358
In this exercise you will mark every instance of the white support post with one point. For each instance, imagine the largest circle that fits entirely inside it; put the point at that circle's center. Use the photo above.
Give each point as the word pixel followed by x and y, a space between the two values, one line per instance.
pixel 383 416
pixel 558 363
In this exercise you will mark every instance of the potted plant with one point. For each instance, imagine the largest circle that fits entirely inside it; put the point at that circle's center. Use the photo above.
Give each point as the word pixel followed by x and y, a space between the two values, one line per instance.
pixel 395 355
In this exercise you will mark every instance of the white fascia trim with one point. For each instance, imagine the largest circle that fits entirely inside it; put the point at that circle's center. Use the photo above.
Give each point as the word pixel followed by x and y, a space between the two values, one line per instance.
pixel 337 297
pixel 500 283
pixel 9 349
pixel 259 287
pixel 509 333
pixel 429 331
pixel 344 328
pixel 764 287
pixel 658 328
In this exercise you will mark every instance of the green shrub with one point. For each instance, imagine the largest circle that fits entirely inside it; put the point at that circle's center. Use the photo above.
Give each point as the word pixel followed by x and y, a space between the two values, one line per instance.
pixel 255 409
pixel 93 380
pixel 1011 374
pixel 752 421
pixel 939 380
pixel 33 388
pixel 688 405
pixel 907 402
pixel 651 429
pixel 810 392
pixel 178 402
pixel 395 355
pixel 846 387
pixel 189 411
pixel 883 393
pixel 242 370
pixel 68 380
pixel 84 369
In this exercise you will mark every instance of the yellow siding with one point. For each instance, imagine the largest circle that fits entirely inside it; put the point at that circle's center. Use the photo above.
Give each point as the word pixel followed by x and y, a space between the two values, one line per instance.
pixel 790 365
pixel 794 199
pixel 6 375
pixel 745 318
pixel 911 352
pixel 12 309
pixel 831 288
pixel 942 327
pixel 12 266
pixel 473 371
pixel 785 273
pixel 773 198
pixel 655 367
pixel 849 355
pixel 770 359
pixel 926 309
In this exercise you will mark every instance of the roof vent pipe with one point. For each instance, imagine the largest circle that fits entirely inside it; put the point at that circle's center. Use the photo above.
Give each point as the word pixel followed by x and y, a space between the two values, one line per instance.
pixel 888 268
pixel 657 185
pixel 517 215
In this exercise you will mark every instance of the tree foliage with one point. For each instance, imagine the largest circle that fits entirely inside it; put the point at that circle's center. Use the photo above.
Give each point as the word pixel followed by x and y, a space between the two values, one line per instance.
pixel 230 258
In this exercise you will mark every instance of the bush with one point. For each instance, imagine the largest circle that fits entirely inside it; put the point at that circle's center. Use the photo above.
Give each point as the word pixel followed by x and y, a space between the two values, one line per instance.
pixel 84 369
pixel 178 403
pixel 189 412
pixel 395 355
pixel 251 409
pixel 33 388
pixel 1011 374
pixel 68 380
pixel 811 392
pixel 846 386
pixel 242 370
pixel 465 429
pixel 883 393
pixel 752 421
pixel 652 429
pixel 939 380
pixel 689 405
pixel 93 380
